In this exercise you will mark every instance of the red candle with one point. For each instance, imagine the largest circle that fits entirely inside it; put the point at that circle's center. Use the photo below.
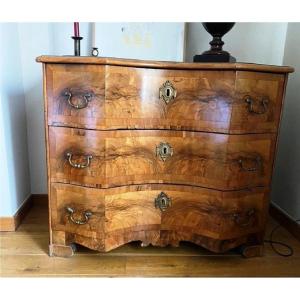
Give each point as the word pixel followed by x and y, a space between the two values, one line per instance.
pixel 76 29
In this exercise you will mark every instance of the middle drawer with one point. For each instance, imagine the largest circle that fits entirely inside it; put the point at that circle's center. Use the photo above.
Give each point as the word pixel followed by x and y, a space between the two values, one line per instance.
pixel 115 158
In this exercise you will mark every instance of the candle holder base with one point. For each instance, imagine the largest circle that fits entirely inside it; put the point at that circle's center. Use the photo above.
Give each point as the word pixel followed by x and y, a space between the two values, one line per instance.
pixel 77 40
pixel 95 51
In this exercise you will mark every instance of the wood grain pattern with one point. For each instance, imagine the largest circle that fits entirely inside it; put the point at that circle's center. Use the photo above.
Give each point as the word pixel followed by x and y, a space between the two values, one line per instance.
pixel 79 80
pixel 24 253
pixel 162 64
pixel 258 86
pixel 212 101
pixel 203 101
pixel 129 157
pixel 216 220
pixel 7 224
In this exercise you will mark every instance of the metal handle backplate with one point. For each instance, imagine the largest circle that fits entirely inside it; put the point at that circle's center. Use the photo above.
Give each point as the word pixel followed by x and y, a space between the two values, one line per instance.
pixel 84 102
pixel 257 164
pixel 244 219
pixel 79 166
pixel 162 201
pixel 85 216
pixel 263 104
pixel 167 92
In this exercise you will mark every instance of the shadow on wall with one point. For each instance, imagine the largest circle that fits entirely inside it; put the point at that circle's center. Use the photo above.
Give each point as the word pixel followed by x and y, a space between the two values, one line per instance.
pixel 16 148
pixel 286 179
pixel 36 136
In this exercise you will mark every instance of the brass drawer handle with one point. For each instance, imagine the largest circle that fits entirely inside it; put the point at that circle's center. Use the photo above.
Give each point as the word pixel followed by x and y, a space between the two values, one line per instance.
pixel 167 92
pixel 86 216
pixel 257 161
pixel 86 98
pixel 263 103
pixel 164 150
pixel 244 220
pixel 79 166
pixel 162 201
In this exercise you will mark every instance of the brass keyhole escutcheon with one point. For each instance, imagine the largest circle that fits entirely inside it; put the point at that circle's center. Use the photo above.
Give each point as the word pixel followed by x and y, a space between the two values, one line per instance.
pixel 164 150
pixel 162 201
pixel 167 92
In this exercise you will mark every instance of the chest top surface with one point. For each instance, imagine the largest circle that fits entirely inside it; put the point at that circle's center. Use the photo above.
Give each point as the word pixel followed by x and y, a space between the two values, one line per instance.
pixel 163 64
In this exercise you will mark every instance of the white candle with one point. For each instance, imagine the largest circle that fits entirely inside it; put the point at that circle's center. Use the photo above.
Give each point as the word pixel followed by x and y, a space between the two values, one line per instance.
pixel 93 35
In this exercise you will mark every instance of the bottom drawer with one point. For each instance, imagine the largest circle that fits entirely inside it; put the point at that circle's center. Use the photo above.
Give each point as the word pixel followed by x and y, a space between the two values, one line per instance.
pixel 147 212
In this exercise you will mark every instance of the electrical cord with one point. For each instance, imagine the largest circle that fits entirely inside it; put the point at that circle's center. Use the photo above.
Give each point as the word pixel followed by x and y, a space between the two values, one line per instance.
pixel 272 243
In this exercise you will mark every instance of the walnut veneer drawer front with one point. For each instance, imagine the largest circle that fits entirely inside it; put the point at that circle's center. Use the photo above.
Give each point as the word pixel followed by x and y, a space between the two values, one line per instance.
pixel 112 97
pixel 104 220
pixel 258 102
pixel 169 99
pixel 75 95
pixel 115 158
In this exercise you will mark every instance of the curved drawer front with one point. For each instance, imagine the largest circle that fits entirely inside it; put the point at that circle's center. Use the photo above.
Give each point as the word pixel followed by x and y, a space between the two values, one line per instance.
pixel 258 102
pixel 85 207
pixel 75 95
pixel 120 215
pixel 112 97
pixel 116 158
pixel 169 99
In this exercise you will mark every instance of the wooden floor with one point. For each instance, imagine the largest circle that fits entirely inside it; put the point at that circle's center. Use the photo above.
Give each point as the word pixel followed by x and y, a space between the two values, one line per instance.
pixel 25 253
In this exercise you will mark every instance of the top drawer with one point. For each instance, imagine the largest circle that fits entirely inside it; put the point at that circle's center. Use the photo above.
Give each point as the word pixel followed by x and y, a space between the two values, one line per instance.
pixel 75 95
pixel 112 97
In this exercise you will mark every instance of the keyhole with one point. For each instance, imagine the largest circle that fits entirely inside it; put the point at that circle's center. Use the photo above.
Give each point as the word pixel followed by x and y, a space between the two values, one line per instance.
pixel 168 92
pixel 165 150
pixel 163 202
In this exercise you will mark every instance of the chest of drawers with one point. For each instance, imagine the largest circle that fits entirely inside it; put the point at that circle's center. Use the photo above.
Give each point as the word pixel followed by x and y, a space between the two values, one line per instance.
pixel 159 152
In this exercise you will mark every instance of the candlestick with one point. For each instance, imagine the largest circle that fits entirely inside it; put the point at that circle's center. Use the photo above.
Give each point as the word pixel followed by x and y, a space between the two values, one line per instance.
pixel 77 40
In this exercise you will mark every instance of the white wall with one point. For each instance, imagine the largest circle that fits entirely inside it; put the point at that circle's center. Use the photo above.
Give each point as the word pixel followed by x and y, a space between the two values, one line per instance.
pixel 35 39
pixel 286 180
pixel 154 41
pixel 157 41
pixel 248 42
pixel 5 189
pixel 15 177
